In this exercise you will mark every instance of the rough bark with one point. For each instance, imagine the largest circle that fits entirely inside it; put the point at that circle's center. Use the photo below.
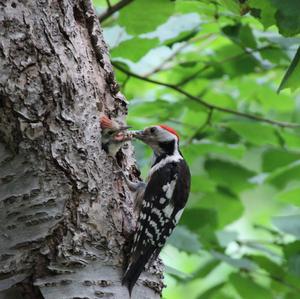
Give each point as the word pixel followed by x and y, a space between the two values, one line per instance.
pixel 65 215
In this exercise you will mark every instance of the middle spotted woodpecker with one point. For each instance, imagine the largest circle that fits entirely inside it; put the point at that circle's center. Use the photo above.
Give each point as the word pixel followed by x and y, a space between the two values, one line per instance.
pixel 165 195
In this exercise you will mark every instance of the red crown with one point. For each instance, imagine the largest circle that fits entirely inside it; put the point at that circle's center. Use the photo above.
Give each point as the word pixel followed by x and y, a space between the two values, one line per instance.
pixel 169 129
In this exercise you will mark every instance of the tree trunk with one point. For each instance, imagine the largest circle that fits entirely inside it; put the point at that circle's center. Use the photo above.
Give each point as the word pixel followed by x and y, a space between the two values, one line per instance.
pixel 65 216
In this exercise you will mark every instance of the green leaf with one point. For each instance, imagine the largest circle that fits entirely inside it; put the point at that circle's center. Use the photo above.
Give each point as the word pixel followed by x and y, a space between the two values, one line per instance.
pixel 197 218
pixel 274 158
pixel 232 5
pixel 225 64
pixel 211 292
pixel 144 16
pixel 249 131
pixel 291 195
pixel 181 37
pixel 206 9
pixel 291 77
pixel 240 34
pixel 275 56
pixel 185 240
pixel 220 149
pixel 288 224
pixel 202 183
pixel 176 273
pixel 291 249
pixel 249 289
pixel 135 48
pixel 291 140
pixel 287 16
pixel 205 269
pixel 239 263
pixel 284 13
pixel 266 11
pixel 292 254
pixel 294 264
pixel 268 265
pixel 287 174
pixel 226 204
pixel 229 174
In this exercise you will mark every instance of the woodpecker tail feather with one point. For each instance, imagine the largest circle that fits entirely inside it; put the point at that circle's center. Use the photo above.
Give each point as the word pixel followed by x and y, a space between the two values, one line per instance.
pixel 134 270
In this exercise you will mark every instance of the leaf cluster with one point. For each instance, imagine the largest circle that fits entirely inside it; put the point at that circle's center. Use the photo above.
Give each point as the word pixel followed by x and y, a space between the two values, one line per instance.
pixel 224 73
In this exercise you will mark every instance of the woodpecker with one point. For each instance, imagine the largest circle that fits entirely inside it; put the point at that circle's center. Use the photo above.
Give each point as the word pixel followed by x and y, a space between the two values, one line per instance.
pixel 113 136
pixel 163 199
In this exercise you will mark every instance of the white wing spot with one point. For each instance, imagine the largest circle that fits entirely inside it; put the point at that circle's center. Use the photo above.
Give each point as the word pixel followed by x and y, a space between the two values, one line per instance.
pixel 157 212
pixel 162 200
pixel 154 225
pixel 168 210
pixel 169 188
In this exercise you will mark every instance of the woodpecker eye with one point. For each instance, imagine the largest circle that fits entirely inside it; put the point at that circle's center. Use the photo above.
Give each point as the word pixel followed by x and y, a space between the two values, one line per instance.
pixel 152 130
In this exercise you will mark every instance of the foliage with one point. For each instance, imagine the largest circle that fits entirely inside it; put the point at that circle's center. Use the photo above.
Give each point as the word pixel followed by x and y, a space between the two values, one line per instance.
pixel 211 69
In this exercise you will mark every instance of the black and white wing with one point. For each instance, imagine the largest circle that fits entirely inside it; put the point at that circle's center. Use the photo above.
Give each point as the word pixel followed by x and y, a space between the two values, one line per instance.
pixel 164 199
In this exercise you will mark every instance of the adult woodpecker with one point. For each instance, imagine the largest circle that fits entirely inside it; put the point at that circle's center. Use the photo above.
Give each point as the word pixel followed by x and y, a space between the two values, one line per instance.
pixel 166 192
pixel 113 136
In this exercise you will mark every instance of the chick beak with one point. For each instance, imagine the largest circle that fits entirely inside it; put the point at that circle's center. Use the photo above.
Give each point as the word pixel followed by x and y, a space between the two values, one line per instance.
pixel 119 134
pixel 121 129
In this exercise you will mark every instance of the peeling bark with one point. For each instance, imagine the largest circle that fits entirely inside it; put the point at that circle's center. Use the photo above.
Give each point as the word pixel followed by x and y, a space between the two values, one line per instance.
pixel 65 215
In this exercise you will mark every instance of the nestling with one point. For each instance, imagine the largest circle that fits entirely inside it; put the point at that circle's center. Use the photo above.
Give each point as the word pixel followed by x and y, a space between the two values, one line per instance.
pixel 113 136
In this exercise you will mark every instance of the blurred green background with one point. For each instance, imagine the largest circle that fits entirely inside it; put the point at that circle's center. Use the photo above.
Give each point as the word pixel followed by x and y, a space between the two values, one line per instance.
pixel 225 75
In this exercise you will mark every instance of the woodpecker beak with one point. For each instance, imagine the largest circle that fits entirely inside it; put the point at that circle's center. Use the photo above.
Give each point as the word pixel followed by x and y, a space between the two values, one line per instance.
pixel 140 134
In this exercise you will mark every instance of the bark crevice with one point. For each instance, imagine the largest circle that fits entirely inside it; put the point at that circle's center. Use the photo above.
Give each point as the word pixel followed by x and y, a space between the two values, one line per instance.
pixel 65 215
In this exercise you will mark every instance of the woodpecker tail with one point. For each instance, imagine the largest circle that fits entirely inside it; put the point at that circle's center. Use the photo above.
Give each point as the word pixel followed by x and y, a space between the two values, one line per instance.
pixel 134 270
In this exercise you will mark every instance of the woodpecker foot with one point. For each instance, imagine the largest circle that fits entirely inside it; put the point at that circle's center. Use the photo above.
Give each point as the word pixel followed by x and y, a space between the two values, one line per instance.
pixel 133 186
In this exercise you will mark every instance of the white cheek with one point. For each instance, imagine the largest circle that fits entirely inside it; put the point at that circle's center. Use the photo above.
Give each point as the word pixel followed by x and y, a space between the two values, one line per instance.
pixel 163 135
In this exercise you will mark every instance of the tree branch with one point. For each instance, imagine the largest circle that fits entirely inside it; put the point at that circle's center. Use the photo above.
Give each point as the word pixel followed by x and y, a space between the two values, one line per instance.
pixel 112 9
pixel 203 126
pixel 207 105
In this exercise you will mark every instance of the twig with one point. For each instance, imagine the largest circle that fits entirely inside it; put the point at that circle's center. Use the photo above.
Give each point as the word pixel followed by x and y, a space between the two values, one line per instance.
pixel 200 101
pixel 202 127
pixel 125 82
pixel 112 9
pixel 265 242
pixel 108 3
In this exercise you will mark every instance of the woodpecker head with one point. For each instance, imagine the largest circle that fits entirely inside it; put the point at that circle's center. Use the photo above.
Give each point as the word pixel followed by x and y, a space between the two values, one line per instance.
pixel 162 139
